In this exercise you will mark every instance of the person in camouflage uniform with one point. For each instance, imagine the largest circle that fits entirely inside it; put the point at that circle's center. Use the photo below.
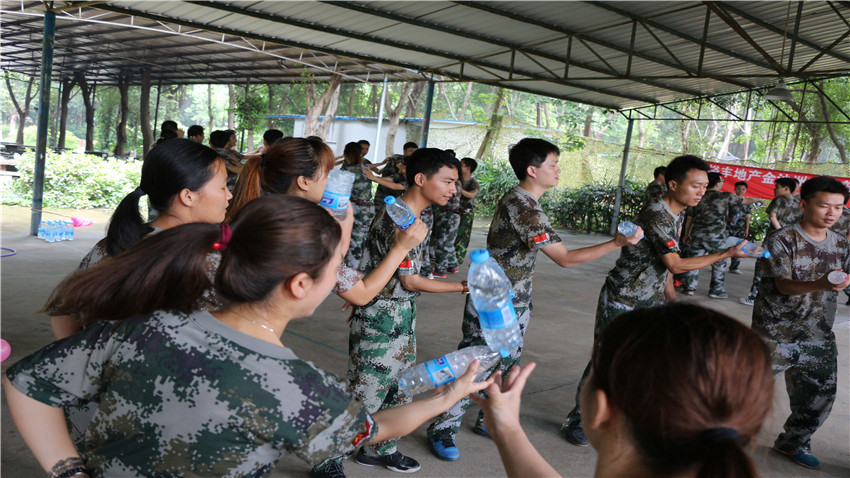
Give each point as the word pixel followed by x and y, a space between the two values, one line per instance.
pixel 642 274
pixel 469 190
pixel 361 198
pixel 657 188
pixel 446 222
pixel 783 211
pixel 842 228
pixel 738 222
pixel 382 339
pixel 520 229
pixel 427 266
pixel 392 171
pixel 795 310
pixel 708 234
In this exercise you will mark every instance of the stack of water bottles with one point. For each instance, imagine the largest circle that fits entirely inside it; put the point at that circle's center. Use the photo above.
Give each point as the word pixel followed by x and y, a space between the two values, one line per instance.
pixel 55 231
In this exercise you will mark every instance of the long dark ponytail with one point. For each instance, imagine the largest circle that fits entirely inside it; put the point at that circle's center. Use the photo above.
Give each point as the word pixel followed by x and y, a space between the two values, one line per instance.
pixel 170 167
pixel 273 238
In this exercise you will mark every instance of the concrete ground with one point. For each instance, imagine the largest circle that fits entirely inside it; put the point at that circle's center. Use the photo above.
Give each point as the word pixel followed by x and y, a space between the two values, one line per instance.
pixel 559 340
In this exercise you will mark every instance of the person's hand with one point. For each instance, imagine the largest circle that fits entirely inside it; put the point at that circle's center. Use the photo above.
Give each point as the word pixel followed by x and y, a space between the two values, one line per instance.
pixel 737 250
pixel 412 236
pixel 830 286
pixel 348 305
pixel 465 287
pixel 368 173
pixel 620 240
pixel 464 385
pixel 180 133
pixel 501 407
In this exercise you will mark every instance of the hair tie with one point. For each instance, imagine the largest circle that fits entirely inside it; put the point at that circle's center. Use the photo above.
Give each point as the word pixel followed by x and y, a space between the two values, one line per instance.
pixel 139 190
pixel 263 160
pixel 714 435
pixel 226 233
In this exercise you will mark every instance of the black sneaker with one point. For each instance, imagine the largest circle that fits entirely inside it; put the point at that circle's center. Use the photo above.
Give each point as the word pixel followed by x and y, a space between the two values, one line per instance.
pixel 395 462
pixel 331 470
pixel 574 433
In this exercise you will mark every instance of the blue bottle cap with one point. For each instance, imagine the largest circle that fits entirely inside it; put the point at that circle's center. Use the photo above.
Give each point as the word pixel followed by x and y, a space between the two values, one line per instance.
pixel 766 254
pixel 479 255
pixel 389 200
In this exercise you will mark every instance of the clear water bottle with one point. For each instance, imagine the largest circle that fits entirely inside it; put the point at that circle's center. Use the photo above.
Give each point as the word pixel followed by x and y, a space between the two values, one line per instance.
pixel 627 228
pixel 50 232
pixel 399 212
pixel 836 277
pixel 42 227
pixel 70 235
pixel 751 248
pixel 338 192
pixel 491 291
pixel 433 373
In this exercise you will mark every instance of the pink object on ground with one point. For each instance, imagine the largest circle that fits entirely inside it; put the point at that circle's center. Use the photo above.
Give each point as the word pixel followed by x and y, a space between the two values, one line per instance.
pixel 81 221
pixel 5 350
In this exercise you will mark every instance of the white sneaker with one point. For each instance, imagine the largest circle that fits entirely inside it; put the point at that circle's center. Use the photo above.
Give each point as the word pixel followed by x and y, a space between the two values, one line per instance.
pixel 746 301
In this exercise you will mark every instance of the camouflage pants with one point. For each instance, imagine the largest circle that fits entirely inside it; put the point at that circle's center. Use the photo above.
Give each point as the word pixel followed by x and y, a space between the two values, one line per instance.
pixel 703 246
pixel 464 233
pixel 381 344
pixel 735 262
pixel 754 290
pixel 607 309
pixel 363 215
pixel 811 370
pixel 443 240
pixel 447 425
pixel 427 216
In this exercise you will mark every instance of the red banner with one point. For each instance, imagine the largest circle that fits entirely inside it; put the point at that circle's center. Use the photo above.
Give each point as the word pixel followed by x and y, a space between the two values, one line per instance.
pixel 760 181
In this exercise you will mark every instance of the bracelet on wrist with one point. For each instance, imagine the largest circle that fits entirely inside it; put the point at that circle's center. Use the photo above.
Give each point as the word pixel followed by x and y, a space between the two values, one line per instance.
pixel 80 470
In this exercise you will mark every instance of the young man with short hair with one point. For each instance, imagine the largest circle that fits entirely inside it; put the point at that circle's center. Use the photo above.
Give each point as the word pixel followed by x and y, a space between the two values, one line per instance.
pixel 657 187
pixel 640 276
pixel 738 222
pixel 196 133
pixel 382 340
pixel 468 192
pixel 795 310
pixel 520 229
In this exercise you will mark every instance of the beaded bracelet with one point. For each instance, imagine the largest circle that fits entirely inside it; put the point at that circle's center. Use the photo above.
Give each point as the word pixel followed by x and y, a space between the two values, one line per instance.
pixel 73 472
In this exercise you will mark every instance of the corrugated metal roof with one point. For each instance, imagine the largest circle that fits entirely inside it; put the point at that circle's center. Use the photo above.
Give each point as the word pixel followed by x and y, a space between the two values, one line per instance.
pixel 612 54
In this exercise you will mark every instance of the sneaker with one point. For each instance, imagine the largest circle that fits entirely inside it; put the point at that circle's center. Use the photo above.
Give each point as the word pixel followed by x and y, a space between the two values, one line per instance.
pixel 735 271
pixel 331 470
pixel 454 270
pixel 574 433
pixel 394 462
pixel 677 283
pixel 444 448
pixel 722 295
pixel 746 301
pixel 481 431
pixel 800 457
pixel 441 275
pixel 689 291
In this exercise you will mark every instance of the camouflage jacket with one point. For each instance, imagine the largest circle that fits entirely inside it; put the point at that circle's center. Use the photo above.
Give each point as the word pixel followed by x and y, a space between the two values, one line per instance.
pixel 378 244
pixel 654 191
pixel 842 224
pixel 467 204
pixel 637 279
pixel 796 256
pixel 185 395
pixel 737 219
pixel 361 192
pixel 390 171
pixel 787 210
pixel 346 278
pixel 519 230
pixel 712 212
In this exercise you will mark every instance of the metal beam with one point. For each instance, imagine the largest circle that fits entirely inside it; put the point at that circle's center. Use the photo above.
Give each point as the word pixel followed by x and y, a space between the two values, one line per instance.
pixel 737 28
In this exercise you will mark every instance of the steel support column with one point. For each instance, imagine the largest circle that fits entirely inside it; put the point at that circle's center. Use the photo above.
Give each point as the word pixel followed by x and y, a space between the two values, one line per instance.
pixel 375 158
pixel 426 120
pixel 43 119
pixel 621 185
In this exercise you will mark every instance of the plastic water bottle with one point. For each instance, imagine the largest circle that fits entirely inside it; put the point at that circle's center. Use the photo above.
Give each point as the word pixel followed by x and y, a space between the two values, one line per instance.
pixel 42 230
pixel 627 228
pixel 338 192
pixel 399 212
pixel 70 226
pixel 50 232
pixel 433 373
pixel 836 277
pixel 751 248
pixel 491 292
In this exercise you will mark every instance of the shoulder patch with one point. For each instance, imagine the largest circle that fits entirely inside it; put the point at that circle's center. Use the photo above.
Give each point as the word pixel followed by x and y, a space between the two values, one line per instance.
pixel 541 238
pixel 362 435
pixel 671 243
pixel 406 265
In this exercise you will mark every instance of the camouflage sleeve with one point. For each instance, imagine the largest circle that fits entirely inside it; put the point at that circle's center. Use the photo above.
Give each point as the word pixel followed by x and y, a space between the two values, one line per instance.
pixel 772 206
pixel 346 278
pixel 780 263
pixel 69 371
pixel 95 255
pixel 661 235
pixel 533 227
pixel 412 263
pixel 211 299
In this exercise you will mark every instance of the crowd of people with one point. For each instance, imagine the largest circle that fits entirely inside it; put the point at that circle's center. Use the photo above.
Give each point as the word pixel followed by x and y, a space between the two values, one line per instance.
pixel 169 360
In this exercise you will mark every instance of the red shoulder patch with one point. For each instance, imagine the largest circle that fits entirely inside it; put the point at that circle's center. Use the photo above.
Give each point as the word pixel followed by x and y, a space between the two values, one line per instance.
pixel 671 243
pixel 541 238
pixel 406 265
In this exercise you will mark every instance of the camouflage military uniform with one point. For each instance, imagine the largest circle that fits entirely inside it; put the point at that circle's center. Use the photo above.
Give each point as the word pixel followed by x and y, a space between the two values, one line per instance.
pixel 736 226
pixel 842 228
pixel 638 277
pixel 232 160
pixel 708 236
pixel 467 216
pixel 185 395
pixel 390 171
pixel 788 213
pixel 519 230
pixel 799 327
pixel 446 221
pixel 427 264
pixel 364 212
pixel 346 278
pixel 382 341
pixel 654 191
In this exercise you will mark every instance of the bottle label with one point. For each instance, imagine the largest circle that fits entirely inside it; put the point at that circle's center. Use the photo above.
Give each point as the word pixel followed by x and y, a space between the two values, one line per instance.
pixel 337 201
pixel 440 371
pixel 497 319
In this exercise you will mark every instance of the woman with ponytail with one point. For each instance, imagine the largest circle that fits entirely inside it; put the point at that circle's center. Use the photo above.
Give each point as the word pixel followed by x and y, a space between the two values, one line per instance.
pixel 184 182
pixel 299 167
pixel 361 200
pixel 678 390
pixel 201 393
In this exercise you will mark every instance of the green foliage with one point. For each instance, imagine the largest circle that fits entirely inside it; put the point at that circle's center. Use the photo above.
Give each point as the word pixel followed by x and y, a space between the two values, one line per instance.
pixel 251 110
pixel 74 180
pixel 759 224
pixel 495 179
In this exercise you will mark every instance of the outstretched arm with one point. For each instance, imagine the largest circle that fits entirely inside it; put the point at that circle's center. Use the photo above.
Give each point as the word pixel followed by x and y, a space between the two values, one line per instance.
pixel 565 258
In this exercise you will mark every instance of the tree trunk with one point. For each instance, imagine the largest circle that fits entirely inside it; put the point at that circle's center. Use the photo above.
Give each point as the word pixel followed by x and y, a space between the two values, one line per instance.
pixel 123 114
pixel 22 112
pixel 465 104
pixel 211 124
pixel 394 115
pixel 330 111
pixel 67 87
pixel 442 89
pixel 727 137
pixel 352 89
pixel 588 124
pixel 493 128
pixel 181 99
pixel 145 112
pixel 539 110
pixel 642 132
pixel 546 115
pixel 830 128
pixel 814 132
pixel 414 99
pixel 748 130
pixel 88 100
pixel 373 100
pixel 231 121
pixel 319 104
pixel 271 109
